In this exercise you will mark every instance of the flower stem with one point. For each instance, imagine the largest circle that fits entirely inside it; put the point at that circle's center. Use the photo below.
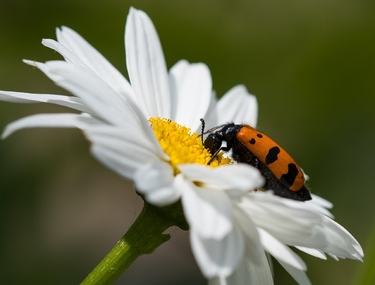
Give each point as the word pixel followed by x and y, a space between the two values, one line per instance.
pixel 143 237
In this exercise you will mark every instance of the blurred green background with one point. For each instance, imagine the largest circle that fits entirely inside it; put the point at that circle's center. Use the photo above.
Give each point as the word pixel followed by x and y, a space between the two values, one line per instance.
pixel 310 63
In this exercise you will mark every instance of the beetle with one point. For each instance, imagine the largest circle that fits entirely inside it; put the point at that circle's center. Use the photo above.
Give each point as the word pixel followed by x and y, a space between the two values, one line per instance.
pixel 248 145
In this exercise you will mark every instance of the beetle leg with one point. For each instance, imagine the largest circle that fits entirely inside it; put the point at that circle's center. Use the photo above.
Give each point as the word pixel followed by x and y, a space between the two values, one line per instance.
pixel 221 148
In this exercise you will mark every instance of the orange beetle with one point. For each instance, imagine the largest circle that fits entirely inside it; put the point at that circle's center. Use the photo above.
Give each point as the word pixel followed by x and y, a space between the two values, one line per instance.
pixel 282 173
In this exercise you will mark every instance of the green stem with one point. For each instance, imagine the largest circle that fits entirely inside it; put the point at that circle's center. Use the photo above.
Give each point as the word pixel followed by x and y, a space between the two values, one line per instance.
pixel 143 237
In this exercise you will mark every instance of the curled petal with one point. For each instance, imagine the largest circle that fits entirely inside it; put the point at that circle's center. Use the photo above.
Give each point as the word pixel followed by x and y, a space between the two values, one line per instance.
pixel 246 177
pixel 208 212
pixel 155 180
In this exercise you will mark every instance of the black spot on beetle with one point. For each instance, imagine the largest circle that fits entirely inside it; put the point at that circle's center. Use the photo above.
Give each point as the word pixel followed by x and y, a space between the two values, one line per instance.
pixel 252 141
pixel 259 135
pixel 272 155
pixel 288 179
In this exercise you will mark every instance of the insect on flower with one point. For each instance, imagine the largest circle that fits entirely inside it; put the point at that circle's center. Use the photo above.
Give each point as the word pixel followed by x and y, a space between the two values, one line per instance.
pixel 248 145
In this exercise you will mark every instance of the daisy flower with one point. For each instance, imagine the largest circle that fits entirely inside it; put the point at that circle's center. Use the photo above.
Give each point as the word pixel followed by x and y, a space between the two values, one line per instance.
pixel 270 225
pixel 145 129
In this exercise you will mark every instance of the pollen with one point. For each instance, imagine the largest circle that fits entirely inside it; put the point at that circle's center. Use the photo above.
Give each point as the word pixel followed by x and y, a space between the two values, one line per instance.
pixel 181 145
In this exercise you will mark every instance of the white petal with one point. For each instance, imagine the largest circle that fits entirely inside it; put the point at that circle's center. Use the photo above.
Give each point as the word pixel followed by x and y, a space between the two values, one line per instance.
pixel 212 115
pixel 321 201
pixel 66 101
pixel 156 181
pixel 121 149
pixel 218 257
pixel 312 252
pixel 45 121
pixel 146 65
pixel 252 273
pixel 289 221
pixel 238 106
pixel 254 248
pixel 77 50
pixel 131 135
pixel 208 212
pixel 280 251
pixel 176 73
pixel 94 92
pixel 334 256
pixel 297 274
pixel 318 207
pixel 340 242
pixel 164 196
pixel 124 163
pixel 246 177
pixel 190 83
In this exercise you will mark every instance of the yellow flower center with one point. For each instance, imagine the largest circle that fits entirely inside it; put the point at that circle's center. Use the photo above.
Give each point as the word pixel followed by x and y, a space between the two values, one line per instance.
pixel 181 145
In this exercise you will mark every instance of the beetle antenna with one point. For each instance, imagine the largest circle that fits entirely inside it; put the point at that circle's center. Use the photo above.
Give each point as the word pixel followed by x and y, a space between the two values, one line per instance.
pixel 202 132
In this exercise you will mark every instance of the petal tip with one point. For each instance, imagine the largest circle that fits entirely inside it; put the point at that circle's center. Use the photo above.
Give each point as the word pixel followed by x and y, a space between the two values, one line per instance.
pixel 6 133
pixel 30 62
